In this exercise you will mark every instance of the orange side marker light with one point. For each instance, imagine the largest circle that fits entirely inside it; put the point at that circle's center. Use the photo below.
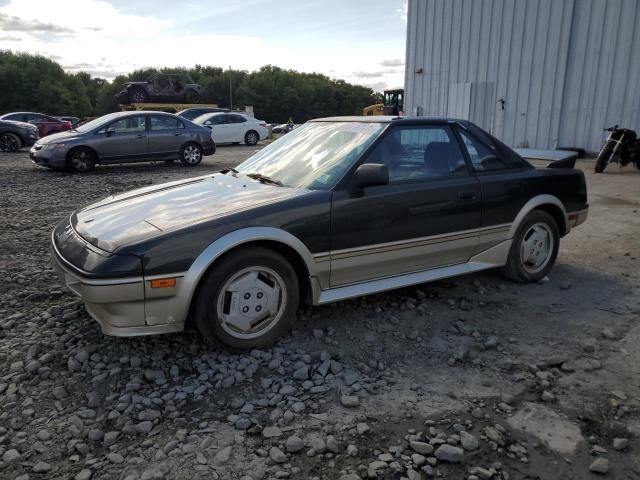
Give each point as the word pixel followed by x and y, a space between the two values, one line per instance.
pixel 163 283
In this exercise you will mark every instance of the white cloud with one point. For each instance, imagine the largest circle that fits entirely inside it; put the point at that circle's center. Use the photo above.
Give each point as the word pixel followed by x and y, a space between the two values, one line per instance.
pixel 92 35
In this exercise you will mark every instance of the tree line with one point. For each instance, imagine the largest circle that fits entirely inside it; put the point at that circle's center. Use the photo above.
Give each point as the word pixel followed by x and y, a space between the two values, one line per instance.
pixel 38 84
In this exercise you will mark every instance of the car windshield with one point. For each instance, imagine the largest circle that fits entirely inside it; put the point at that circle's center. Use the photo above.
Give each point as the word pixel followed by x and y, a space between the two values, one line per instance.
pixel 98 122
pixel 314 156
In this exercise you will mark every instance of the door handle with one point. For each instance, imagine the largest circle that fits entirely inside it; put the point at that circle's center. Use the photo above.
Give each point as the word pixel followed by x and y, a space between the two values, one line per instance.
pixel 140 136
pixel 466 196
pixel 177 134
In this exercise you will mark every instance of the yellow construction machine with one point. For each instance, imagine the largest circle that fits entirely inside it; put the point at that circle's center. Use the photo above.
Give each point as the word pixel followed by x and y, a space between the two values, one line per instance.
pixel 393 104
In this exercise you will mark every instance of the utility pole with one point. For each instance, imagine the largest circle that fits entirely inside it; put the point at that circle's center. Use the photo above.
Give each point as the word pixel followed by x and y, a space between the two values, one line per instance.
pixel 230 91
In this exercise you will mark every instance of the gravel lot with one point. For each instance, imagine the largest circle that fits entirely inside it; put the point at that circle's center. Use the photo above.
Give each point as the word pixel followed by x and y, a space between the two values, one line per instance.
pixel 472 378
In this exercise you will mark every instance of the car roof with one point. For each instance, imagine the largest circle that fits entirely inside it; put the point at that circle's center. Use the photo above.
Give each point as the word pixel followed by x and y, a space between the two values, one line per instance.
pixel 23 113
pixel 393 119
pixel 138 112
pixel 213 114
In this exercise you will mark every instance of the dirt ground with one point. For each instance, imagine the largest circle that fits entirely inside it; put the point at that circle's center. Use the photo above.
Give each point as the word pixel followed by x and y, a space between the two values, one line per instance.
pixel 470 378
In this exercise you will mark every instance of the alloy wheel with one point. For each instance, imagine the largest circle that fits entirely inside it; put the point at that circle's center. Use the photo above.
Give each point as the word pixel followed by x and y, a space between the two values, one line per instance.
pixel 537 247
pixel 192 154
pixel 252 138
pixel 81 161
pixel 8 143
pixel 251 302
pixel 138 97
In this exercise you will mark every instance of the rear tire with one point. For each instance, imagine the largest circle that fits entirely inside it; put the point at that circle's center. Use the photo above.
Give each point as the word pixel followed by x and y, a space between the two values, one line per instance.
pixel 191 154
pixel 10 143
pixel 81 160
pixel 251 138
pixel 534 249
pixel 249 299
pixel 601 161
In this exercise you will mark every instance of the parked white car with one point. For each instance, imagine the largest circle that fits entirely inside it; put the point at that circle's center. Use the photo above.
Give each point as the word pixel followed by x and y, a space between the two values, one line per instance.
pixel 233 127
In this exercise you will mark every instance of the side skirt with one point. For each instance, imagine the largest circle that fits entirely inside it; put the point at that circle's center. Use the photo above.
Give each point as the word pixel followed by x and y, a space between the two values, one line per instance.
pixel 495 256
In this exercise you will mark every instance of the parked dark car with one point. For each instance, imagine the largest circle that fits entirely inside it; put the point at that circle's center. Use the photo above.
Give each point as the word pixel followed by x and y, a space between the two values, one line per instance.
pixel 75 121
pixel 125 137
pixel 161 87
pixel 338 208
pixel 15 135
pixel 46 124
pixel 192 113
pixel 282 127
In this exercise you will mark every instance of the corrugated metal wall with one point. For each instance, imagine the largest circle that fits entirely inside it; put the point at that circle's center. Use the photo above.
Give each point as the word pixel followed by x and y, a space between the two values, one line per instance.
pixel 564 69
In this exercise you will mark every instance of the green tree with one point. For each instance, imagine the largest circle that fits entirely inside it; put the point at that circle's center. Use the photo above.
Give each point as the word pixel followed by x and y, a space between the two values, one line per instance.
pixel 35 83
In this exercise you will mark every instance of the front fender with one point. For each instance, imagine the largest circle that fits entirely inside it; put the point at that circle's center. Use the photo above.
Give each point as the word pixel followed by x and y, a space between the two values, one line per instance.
pixel 161 309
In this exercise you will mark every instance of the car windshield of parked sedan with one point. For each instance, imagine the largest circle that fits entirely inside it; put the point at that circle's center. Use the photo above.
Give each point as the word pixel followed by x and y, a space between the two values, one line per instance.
pixel 314 156
pixel 87 127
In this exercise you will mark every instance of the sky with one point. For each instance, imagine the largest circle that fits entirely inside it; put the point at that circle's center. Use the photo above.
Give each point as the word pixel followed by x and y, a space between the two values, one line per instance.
pixel 360 41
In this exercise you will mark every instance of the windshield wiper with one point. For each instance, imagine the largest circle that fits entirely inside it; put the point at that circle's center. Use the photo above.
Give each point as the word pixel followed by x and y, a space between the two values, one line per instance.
pixel 264 179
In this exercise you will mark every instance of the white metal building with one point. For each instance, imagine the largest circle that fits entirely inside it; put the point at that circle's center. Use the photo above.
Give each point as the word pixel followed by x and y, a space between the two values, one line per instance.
pixel 535 73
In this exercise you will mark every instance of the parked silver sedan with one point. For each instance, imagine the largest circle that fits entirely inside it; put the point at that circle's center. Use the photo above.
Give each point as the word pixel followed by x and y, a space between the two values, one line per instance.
pixel 125 137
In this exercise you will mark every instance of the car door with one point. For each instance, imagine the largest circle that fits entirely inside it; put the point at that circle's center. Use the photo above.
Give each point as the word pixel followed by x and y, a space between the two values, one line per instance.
pixel 503 186
pixel 218 128
pixel 427 216
pixel 166 135
pixel 124 139
pixel 236 127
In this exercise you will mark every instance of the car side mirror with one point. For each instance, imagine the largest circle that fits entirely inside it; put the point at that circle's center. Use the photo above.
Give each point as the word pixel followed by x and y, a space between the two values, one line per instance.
pixel 371 175
pixel 210 127
pixel 110 131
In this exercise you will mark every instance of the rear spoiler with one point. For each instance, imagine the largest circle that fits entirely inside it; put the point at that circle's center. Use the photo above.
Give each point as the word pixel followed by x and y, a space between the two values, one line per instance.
pixel 569 162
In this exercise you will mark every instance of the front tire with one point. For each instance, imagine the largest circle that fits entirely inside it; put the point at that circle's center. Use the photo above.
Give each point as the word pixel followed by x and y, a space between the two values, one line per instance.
pixel 534 249
pixel 137 95
pixel 601 161
pixel 81 160
pixel 10 143
pixel 248 300
pixel 251 138
pixel 192 97
pixel 191 154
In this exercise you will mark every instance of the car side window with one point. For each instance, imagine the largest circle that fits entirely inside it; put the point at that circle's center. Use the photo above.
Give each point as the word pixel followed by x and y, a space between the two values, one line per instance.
pixel 164 123
pixel 479 154
pixel 35 118
pixel 128 125
pixel 235 119
pixel 419 153
pixel 494 159
pixel 17 117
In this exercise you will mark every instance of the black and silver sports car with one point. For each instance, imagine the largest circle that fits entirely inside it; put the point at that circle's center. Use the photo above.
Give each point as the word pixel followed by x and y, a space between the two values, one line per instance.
pixel 338 208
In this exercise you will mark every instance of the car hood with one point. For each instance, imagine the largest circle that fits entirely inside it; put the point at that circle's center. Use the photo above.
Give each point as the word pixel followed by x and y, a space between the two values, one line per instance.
pixel 153 211
pixel 65 136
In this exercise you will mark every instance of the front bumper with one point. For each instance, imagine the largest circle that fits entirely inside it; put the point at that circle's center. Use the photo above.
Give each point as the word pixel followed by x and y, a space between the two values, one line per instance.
pixel 48 158
pixel 117 304
pixel 122 97
pixel 29 141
